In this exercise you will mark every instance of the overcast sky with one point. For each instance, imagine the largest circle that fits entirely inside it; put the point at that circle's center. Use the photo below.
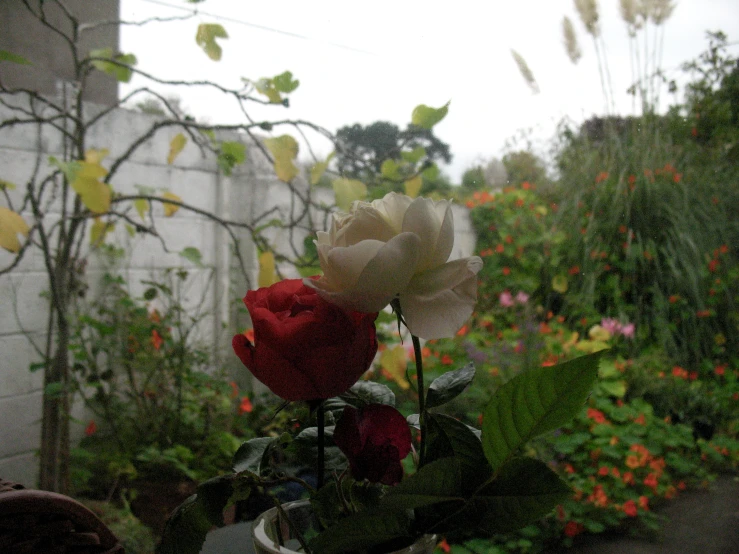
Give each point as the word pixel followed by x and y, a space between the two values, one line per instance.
pixel 359 62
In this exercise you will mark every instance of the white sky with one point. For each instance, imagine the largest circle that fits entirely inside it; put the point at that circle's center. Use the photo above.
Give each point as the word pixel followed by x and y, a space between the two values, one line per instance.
pixel 369 61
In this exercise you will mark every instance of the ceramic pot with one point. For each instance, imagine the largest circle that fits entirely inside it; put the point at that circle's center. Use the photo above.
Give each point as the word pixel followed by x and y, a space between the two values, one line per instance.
pixel 268 527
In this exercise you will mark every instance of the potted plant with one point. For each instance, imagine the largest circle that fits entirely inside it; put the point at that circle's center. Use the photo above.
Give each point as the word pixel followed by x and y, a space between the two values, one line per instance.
pixel 314 338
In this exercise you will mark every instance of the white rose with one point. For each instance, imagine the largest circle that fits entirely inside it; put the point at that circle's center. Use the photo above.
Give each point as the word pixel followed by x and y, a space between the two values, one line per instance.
pixel 399 247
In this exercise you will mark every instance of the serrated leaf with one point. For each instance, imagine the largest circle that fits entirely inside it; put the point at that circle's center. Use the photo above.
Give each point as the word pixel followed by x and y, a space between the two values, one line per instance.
pixel 193 255
pixel 186 529
pixel 11 225
pixel 175 147
pixel 6 185
pixel 120 72
pixel 170 209
pixel 436 482
pixel 6 56
pixel 250 455
pixel 284 150
pixel 449 385
pixel 206 38
pixel 346 191
pixel 284 82
pixel 536 401
pixel 395 362
pixel 362 531
pixel 427 117
pixel 319 168
pixel 524 491
pixel 142 207
pixel 267 274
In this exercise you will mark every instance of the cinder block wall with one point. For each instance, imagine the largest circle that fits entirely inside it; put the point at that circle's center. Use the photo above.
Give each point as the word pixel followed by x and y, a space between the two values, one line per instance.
pixel 244 196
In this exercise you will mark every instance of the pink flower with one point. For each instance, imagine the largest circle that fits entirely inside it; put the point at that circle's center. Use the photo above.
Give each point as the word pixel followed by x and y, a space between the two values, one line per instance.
pixel 628 330
pixel 506 299
pixel 522 297
pixel 611 325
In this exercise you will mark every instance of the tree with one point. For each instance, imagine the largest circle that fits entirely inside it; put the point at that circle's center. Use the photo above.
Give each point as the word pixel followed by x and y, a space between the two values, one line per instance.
pixel 362 150
pixel 524 165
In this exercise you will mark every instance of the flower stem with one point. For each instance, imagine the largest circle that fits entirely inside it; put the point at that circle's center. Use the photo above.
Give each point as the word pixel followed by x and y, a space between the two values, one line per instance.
pixel 321 463
pixel 421 398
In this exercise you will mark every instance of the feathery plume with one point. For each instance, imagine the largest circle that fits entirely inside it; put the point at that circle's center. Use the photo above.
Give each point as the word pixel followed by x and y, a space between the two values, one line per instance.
pixel 570 39
pixel 588 11
pixel 526 73
pixel 660 11
pixel 630 14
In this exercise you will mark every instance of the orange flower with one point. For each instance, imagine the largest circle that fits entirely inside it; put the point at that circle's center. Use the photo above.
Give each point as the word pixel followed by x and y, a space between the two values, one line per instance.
pixel 525 185
pixel 599 497
pixel 572 529
pixel 462 331
pixel 603 471
pixel 628 478
pixel 569 468
pixel 644 503
pixel 519 202
pixel 713 265
pixel 596 415
pixel 615 472
pixel 444 546
pixel 506 270
pixel 641 420
pixel 446 359
pixel 574 270
pixel 631 462
pixel 245 406
pixel 500 248
pixel 234 389
pixel 723 249
pixel 651 480
pixel 156 339
pixel 91 428
pixel 155 317
pixel 602 176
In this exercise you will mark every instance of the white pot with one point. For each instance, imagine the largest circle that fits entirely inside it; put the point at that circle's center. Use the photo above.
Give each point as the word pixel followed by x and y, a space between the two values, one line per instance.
pixel 269 526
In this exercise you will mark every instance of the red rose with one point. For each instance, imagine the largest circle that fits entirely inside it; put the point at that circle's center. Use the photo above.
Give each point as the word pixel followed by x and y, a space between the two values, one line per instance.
pixel 374 439
pixel 304 347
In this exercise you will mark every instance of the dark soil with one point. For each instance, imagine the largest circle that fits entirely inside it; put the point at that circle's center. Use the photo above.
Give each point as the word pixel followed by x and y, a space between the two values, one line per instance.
pixel 698 522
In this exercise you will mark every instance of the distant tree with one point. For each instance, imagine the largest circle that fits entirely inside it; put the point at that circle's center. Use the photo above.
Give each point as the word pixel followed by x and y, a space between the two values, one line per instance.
pixel 361 150
pixel 473 178
pixel 524 165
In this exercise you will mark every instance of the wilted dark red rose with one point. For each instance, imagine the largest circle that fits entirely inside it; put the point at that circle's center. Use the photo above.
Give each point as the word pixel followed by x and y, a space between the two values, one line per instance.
pixel 375 439
pixel 304 347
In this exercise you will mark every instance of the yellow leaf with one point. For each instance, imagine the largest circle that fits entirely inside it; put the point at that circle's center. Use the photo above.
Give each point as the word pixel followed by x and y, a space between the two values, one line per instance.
pixel 85 181
pixel 131 230
pixel 413 186
pixel 175 147
pixel 395 361
pixel 94 157
pixel 284 150
pixel 11 225
pixel 170 209
pixel 99 230
pixel 142 206
pixel 347 191
pixel 6 185
pixel 267 274
pixel 598 333
pixel 206 39
pixel 318 169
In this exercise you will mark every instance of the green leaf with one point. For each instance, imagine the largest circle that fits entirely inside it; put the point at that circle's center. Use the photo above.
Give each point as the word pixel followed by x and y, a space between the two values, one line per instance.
pixel 231 154
pixel 362 531
pixel 449 437
pixel 251 455
pixel 54 390
pixel 449 385
pixel 284 82
pixel 524 491
pixel 214 494
pixel 427 117
pixel 415 155
pixel 6 185
pixel 6 56
pixel 369 392
pixel 347 191
pixel 319 168
pixel 536 401
pixel 391 170
pixel 192 254
pixel 36 366
pixel 114 67
pixel 437 482
pixel 206 39
pixel 186 529
pixel 612 388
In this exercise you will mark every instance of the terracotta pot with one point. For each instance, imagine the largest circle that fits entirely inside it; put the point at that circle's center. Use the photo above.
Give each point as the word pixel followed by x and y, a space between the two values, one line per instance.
pixel 268 527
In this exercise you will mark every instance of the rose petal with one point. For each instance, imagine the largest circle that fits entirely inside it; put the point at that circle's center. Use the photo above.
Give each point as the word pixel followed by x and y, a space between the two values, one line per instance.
pixel 436 233
pixel 366 223
pixel 437 302
pixel 393 207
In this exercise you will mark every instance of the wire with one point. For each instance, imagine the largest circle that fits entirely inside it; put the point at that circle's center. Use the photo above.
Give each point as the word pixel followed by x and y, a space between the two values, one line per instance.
pixel 195 11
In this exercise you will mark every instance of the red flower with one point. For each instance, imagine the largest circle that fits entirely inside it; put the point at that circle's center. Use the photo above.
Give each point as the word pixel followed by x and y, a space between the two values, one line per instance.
pixel 446 359
pixel 651 480
pixel 630 508
pixel 574 270
pixel 596 415
pixel 375 439
pixel 91 428
pixel 506 270
pixel 304 347
pixel 573 529
pixel 156 339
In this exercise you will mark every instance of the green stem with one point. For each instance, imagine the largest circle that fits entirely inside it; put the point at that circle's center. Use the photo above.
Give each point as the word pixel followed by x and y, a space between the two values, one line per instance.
pixel 421 398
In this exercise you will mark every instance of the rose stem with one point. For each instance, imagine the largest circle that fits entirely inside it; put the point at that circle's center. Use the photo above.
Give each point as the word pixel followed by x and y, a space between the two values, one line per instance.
pixel 320 416
pixel 421 398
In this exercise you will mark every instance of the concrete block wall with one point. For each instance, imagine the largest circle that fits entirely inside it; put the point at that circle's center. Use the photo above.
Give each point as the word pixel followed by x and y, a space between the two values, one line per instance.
pixel 244 196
